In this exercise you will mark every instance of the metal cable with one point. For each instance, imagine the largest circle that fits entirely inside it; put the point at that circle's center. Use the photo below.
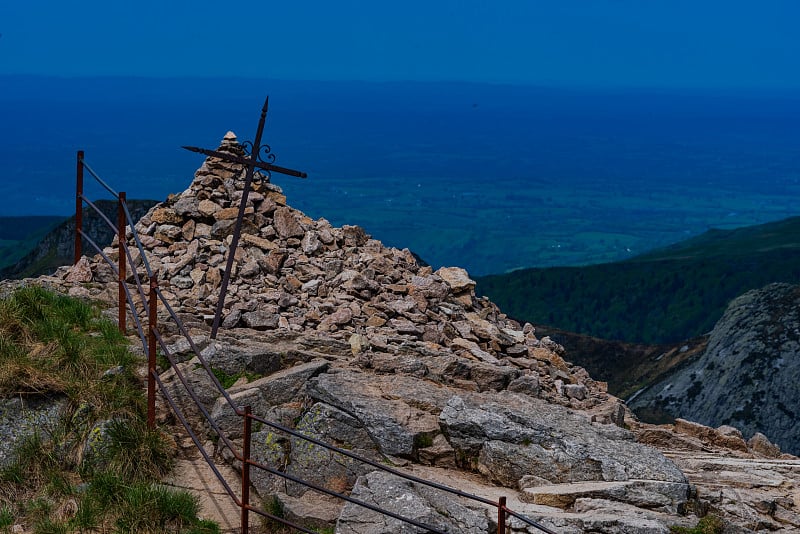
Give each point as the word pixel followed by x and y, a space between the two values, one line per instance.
pixel 529 521
pixel 193 395
pixel 376 465
pixel 345 497
pixel 196 351
pixel 121 240
pixel 100 180
pixel 135 273
pixel 114 268
pixel 136 239
pixel 213 465
pixel 195 439
pixel 100 213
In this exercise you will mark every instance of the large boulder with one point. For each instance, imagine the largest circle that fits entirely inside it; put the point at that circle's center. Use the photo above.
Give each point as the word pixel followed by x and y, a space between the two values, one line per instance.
pixel 395 419
pixel 519 441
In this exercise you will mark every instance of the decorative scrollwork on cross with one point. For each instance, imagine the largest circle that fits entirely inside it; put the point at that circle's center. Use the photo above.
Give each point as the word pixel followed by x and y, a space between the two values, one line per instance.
pixel 263 155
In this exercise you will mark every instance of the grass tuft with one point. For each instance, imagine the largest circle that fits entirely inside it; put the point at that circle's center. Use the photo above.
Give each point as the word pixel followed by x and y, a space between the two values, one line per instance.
pixel 709 524
pixel 97 469
pixel 136 453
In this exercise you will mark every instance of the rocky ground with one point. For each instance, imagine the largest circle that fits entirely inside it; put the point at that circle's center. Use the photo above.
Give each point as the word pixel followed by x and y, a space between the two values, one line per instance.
pixel 335 335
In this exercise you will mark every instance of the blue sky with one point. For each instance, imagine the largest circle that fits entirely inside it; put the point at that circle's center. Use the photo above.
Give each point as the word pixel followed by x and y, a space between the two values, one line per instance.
pixel 657 43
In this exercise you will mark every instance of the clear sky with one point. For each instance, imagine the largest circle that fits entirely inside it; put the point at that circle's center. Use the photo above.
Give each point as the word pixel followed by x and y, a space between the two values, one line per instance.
pixel 659 43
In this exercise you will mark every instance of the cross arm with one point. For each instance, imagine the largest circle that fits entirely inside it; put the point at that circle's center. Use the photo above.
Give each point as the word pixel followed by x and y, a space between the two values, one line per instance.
pixel 247 161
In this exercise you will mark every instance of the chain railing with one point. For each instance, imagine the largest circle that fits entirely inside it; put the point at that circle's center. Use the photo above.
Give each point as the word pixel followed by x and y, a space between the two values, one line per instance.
pixel 154 339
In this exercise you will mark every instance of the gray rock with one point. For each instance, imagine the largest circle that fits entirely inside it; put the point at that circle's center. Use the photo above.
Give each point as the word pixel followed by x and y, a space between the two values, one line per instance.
pixel 198 379
pixel 392 423
pixel 270 448
pixel 168 233
pixel 222 229
pixel 492 377
pixel 186 206
pixel 23 417
pixel 527 384
pixel 80 272
pixel 250 269
pixel 457 278
pixel 182 282
pixel 431 507
pixel 285 385
pixel 232 319
pixel 260 320
pixel 226 417
pixel 310 243
pixel 575 391
pixel 320 465
pixel 340 317
pixel 286 223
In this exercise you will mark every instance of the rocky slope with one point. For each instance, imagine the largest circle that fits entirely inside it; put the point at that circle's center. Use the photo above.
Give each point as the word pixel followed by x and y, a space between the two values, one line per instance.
pixel 748 374
pixel 626 367
pixel 346 340
pixel 57 248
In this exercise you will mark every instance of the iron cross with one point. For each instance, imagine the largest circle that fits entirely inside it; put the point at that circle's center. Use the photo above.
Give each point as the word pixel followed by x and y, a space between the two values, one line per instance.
pixel 252 161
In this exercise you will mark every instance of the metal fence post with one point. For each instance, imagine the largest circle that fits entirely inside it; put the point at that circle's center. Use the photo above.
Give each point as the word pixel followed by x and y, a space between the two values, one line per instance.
pixel 151 354
pixel 248 423
pixel 78 206
pixel 501 516
pixel 123 302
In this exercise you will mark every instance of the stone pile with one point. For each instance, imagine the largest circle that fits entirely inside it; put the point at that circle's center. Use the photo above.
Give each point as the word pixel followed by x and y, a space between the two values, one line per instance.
pixel 295 274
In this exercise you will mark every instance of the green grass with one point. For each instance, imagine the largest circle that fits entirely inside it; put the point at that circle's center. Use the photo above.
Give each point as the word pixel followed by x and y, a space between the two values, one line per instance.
pixel 228 380
pixel 710 524
pixel 98 468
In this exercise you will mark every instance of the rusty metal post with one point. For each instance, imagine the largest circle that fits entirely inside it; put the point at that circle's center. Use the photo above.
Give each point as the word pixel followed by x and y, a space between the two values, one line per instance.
pixel 123 301
pixel 248 424
pixel 151 354
pixel 501 516
pixel 78 206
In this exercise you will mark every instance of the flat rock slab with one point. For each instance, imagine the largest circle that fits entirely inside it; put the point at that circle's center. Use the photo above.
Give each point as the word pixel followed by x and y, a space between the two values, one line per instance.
pixel 641 493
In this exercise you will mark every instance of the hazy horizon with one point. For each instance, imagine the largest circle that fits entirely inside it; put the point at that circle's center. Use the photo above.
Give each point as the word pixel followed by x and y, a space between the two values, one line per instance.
pixel 491 177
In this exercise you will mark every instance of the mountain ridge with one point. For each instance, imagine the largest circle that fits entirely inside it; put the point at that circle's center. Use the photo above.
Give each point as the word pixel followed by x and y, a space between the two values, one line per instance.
pixel 664 296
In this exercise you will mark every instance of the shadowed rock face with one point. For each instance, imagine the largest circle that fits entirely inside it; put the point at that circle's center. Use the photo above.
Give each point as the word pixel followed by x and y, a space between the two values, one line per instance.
pixel 57 248
pixel 747 377
pixel 360 346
